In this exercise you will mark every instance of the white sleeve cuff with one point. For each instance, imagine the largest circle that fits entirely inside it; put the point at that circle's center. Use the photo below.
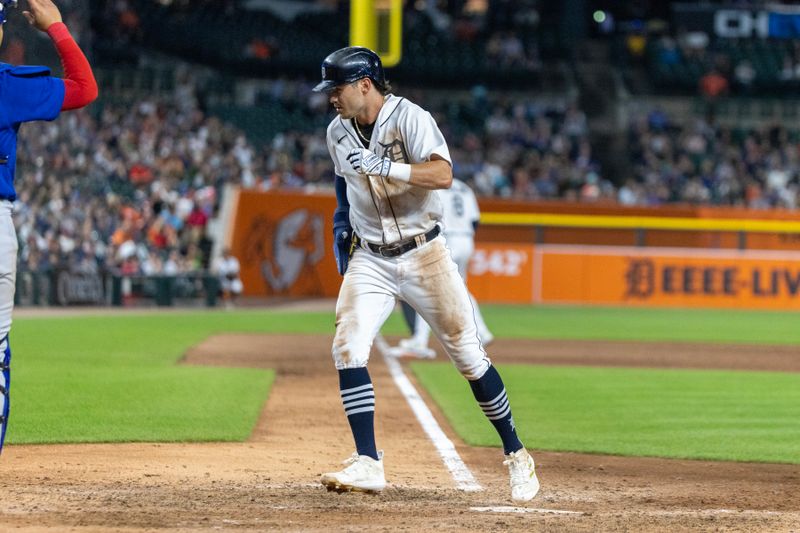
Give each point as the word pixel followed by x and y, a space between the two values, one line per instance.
pixel 400 171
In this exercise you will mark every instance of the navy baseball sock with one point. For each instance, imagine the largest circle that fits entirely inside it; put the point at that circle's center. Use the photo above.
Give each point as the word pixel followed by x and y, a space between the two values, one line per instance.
pixel 491 395
pixel 358 398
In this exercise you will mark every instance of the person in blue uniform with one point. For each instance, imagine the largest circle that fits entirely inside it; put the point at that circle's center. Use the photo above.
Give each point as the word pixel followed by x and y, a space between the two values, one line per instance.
pixel 29 93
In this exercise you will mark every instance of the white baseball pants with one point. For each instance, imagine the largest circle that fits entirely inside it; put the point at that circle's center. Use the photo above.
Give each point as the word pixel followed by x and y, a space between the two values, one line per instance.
pixel 8 276
pixel 461 248
pixel 8 266
pixel 425 277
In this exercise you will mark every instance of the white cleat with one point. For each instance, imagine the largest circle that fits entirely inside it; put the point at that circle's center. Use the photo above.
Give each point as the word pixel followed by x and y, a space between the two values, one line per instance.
pixel 396 351
pixel 413 348
pixel 524 483
pixel 363 474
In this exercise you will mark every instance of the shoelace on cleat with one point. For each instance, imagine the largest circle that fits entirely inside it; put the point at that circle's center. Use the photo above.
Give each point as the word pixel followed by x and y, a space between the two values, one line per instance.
pixel 352 459
pixel 519 467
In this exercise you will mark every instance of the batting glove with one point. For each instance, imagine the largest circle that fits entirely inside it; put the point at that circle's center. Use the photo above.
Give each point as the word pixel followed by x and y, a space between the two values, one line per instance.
pixel 342 239
pixel 365 162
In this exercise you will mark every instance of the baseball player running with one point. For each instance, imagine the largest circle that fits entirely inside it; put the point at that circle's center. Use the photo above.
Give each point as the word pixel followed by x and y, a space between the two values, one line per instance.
pixel 460 220
pixel 390 157
pixel 27 94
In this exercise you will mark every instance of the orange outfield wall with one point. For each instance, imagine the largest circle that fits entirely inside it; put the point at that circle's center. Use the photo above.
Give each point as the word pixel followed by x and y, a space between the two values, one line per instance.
pixel 502 272
pixel 284 243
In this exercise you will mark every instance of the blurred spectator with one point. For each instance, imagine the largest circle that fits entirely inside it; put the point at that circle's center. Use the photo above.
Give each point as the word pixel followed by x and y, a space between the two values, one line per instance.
pixel 506 50
pixel 713 84
pixel 788 72
pixel 575 124
pixel 636 43
pixel 744 75
pixel 262 49
pixel 668 53
pixel 693 44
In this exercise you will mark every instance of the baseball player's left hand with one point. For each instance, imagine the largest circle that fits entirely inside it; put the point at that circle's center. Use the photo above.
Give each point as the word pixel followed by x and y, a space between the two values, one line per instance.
pixel 342 239
pixel 365 162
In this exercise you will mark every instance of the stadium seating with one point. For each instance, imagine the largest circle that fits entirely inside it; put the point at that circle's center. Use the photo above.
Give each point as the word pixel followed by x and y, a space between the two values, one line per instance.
pixel 215 36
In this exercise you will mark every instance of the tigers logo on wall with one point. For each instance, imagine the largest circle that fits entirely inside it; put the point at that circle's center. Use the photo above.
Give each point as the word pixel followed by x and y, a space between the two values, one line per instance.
pixel 287 250
pixel 640 278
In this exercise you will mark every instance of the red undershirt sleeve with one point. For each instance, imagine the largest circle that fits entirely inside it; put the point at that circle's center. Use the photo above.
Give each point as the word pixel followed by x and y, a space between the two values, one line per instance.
pixel 80 87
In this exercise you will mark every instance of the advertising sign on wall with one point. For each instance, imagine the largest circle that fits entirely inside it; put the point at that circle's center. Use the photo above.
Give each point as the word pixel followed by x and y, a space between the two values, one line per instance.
pixel 502 272
pixel 284 244
pixel 775 21
pixel 621 275
pixel 669 277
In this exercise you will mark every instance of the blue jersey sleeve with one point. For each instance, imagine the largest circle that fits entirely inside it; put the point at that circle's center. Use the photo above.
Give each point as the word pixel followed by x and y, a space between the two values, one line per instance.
pixel 31 98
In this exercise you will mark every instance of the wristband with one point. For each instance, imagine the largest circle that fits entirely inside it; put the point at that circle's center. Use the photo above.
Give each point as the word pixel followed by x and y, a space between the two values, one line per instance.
pixel 400 172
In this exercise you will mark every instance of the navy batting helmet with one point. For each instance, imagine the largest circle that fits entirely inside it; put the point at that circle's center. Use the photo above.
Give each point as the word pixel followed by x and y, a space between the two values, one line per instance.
pixel 4 5
pixel 351 64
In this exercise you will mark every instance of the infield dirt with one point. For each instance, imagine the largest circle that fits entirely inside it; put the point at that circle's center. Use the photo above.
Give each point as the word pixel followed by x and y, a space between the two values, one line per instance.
pixel 270 483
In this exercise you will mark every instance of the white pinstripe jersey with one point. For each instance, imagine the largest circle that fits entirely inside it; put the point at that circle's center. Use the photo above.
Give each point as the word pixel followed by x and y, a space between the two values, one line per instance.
pixel 384 210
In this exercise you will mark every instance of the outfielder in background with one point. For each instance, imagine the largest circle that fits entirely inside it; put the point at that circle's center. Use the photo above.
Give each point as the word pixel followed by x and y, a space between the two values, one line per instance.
pixel 389 157
pixel 28 94
pixel 460 220
pixel 227 269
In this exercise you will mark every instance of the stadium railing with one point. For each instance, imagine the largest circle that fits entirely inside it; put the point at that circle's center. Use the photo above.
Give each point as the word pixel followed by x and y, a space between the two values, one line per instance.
pixel 60 287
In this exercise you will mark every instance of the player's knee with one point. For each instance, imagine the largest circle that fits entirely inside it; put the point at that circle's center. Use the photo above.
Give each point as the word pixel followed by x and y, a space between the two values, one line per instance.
pixel 349 351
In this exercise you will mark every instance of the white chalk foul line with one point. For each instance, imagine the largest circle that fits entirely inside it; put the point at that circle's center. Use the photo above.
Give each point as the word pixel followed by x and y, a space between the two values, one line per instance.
pixel 521 510
pixel 381 344
pixel 461 474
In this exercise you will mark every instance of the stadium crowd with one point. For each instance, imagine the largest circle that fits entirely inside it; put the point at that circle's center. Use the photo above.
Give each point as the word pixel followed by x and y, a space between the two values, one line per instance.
pixel 699 163
pixel 132 188
pixel 526 150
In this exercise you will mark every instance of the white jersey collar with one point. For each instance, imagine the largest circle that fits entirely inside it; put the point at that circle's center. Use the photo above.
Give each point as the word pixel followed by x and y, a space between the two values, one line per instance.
pixel 390 105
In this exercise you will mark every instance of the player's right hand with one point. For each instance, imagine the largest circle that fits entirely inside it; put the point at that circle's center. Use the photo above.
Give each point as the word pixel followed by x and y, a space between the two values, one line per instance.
pixel 365 162
pixel 42 14
pixel 342 239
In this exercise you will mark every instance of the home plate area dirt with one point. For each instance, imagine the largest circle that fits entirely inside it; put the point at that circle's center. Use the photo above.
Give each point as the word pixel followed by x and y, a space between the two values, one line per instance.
pixel 270 482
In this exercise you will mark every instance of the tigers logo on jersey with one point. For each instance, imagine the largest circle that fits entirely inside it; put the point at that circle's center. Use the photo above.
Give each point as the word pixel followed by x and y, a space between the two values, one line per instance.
pixel 395 151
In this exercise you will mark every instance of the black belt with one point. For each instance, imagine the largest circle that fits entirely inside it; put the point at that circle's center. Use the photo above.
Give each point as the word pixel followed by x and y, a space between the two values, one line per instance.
pixel 399 248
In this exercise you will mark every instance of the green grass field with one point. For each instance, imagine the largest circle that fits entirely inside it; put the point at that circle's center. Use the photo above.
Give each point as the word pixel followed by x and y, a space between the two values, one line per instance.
pixel 740 416
pixel 642 324
pixel 115 378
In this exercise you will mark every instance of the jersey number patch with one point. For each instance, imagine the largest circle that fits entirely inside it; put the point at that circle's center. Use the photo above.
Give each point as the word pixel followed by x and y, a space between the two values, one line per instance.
pixel 458 206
